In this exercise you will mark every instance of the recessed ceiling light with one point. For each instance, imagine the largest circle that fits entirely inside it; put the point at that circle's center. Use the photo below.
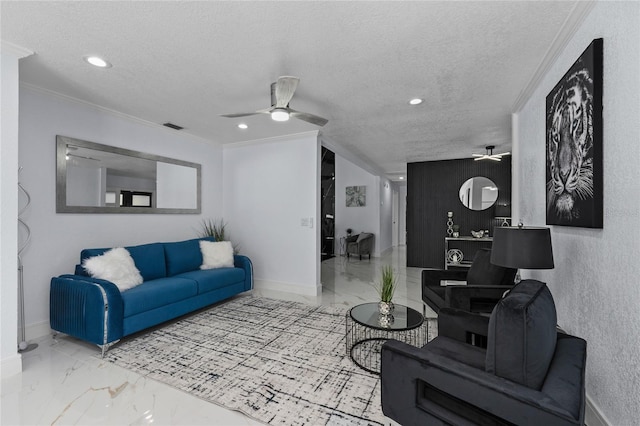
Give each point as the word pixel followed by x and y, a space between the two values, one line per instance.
pixel 242 126
pixel 415 101
pixel 401 178
pixel 97 61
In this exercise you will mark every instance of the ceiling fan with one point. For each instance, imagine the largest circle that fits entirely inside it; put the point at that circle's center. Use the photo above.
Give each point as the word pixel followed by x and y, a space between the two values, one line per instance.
pixel 281 93
pixel 490 155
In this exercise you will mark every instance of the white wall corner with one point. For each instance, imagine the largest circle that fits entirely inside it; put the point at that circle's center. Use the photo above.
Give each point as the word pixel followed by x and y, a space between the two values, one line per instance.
pixel 15 50
pixel 10 366
pixel 592 414
pixel 515 170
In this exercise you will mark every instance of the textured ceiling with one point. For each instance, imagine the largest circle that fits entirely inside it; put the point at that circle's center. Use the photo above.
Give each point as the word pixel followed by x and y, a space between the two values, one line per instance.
pixel 359 63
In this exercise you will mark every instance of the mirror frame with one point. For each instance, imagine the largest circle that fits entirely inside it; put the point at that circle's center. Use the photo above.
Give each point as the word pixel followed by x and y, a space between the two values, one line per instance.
pixel 61 180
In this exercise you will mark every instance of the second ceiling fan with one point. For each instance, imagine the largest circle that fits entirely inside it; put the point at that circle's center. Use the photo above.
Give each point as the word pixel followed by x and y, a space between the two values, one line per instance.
pixel 281 93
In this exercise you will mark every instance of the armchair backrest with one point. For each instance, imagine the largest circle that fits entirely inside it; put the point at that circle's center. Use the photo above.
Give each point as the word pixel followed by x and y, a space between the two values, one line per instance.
pixel 483 272
pixel 522 335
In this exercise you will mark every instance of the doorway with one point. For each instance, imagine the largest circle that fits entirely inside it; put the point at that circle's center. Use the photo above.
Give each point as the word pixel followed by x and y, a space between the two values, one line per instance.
pixel 327 203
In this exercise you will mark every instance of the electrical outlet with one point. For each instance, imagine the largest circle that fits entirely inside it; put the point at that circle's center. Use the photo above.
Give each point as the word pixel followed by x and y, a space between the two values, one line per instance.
pixel 304 222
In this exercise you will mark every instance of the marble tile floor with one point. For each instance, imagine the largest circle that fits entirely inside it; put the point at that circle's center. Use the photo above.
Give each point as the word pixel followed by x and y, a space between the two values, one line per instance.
pixel 65 382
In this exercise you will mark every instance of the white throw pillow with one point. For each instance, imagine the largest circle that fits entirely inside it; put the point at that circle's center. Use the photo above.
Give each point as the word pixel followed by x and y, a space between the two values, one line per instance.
pixel 217 254
pixel 115 265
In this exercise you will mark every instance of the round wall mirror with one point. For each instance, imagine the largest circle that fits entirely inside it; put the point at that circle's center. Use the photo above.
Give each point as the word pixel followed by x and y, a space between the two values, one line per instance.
pixel 478 193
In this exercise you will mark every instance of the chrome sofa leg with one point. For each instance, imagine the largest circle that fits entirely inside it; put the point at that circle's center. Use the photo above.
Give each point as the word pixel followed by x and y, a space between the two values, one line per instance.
pixel 107 346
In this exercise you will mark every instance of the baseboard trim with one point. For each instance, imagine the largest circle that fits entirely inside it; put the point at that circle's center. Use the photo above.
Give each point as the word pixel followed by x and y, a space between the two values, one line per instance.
pixel 11 366
pixel 304 290
pixel 37 330
pixel 593 415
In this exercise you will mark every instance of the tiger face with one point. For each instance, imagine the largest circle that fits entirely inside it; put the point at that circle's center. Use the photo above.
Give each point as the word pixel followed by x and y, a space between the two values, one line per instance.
pixel 570 147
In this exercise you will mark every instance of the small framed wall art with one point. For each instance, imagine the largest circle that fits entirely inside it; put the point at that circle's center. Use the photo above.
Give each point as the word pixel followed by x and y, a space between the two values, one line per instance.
pixel 356 196
pixel 574 144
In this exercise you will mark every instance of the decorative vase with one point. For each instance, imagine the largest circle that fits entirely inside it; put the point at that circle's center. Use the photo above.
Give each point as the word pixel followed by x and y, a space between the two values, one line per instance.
pixel 385 308
pixel 385 320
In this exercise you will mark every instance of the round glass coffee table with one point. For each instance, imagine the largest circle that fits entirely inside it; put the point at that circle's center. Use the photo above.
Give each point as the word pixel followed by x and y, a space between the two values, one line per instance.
pixel 367 330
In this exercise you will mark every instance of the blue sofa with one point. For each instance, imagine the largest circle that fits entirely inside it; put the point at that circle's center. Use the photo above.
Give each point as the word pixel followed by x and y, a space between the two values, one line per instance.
pixel 96 311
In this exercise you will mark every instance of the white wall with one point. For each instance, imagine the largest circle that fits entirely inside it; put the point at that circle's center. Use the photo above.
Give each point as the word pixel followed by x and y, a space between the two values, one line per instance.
pixel 270 186
pixel 177 186
pixel 58 238
pixel 360 219
pixel 10 360
pixel 595 281
pixel 402 215
pixel 85 186
pixel 386 216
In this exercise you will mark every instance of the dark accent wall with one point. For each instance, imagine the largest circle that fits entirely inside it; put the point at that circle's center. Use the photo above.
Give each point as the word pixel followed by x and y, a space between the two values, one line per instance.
pixel 432 191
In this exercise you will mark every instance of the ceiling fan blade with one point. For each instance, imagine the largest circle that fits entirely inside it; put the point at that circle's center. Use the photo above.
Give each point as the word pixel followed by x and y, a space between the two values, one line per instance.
pixel 240 114
pixel 285 88
pixel 502 154
pixel 309 118
pixel 246 114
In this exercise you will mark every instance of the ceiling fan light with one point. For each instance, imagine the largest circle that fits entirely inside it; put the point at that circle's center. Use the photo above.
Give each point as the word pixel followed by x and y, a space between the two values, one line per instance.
pixel 279 114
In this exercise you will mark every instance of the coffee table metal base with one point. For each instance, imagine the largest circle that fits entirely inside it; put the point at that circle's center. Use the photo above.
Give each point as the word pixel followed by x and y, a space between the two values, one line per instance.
pixel 364 344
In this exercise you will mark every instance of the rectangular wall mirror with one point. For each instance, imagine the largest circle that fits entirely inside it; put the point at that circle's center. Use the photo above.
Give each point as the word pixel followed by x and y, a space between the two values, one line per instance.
pixel 96 178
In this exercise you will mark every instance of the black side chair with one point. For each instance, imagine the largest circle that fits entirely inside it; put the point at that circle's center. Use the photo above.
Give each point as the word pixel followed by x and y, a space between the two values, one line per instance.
pixel 486 283
pixel 529 374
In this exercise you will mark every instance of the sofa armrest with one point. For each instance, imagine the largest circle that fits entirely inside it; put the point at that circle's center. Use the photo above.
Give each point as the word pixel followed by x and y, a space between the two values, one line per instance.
pixel 244 262
pixel 457 324
pixel 419 386
pixel 87 308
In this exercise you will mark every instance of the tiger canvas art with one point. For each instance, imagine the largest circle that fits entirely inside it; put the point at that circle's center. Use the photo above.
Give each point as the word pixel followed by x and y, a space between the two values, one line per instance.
pixel 574 144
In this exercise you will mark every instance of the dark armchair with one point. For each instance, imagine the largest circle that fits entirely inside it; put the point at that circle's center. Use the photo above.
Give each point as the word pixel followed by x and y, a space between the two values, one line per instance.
pixel 529 374
pixel 360 244
pixel 486 283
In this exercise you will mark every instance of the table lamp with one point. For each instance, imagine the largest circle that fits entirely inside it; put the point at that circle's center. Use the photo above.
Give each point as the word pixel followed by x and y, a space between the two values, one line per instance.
pixel 522 247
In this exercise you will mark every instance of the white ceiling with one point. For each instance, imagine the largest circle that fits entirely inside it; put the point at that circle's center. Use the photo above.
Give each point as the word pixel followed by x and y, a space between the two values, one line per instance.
pixel 359 63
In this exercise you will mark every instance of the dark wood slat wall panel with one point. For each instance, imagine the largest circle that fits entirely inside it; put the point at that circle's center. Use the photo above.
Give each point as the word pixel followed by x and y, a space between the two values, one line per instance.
pixel 432 191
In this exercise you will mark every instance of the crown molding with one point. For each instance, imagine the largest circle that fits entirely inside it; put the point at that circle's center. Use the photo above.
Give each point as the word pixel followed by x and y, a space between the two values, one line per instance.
pixel 270 139
pixel 14 49
pixel 568 29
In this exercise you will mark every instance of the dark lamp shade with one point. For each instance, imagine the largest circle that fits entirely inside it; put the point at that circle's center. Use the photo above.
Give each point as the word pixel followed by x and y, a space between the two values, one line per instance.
pixel 522 247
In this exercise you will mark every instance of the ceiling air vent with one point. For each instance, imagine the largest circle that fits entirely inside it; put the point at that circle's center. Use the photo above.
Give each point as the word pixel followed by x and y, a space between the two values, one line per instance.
pixel 173 126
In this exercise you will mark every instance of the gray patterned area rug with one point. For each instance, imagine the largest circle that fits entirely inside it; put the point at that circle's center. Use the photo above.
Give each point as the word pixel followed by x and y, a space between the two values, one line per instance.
pixel 279 362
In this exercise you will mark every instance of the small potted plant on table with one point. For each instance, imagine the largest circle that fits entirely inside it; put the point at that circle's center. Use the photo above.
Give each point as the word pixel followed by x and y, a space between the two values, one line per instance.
pixel 386 290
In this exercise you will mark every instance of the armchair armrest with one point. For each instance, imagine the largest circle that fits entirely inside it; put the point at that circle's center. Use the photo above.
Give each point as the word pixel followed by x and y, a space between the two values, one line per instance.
pixel 87 308
pixel 463 297
pixel 432 277
pixel 457 324
pixel 421 387
pixel 244 262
